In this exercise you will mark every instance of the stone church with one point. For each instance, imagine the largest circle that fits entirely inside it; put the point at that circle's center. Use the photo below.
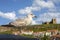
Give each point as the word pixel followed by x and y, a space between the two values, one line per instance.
pixel 53 21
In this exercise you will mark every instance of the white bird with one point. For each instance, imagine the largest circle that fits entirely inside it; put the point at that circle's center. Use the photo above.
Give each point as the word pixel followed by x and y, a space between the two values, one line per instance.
pixel 23 22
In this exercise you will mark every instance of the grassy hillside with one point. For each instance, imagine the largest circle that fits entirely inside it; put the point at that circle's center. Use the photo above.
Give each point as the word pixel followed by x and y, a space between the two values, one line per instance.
pixel 35 28
pixel 43 27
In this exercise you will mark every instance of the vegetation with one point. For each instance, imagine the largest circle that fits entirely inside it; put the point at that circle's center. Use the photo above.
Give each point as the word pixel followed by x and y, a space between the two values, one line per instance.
pixel 45 38
pixel 34 28
pixel 30 36
pixel 6 32
pixel 43 27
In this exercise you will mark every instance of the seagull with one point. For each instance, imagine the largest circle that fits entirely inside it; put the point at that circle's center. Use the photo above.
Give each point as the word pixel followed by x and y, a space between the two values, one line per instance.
pixel 25 21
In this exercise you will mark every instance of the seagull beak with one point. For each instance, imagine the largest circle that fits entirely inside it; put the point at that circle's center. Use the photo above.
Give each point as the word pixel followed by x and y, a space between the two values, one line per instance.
pixel 35 16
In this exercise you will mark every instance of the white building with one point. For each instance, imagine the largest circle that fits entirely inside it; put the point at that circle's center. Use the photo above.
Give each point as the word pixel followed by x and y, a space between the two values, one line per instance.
pixel 39 34
pixel 48 33
pixel 26 32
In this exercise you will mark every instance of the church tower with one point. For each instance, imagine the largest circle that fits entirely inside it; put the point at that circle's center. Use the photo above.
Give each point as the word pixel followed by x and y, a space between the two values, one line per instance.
pixel 54 20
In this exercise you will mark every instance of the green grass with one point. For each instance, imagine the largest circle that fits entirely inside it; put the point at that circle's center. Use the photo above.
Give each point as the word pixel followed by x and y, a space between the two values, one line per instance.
pixel 29 36
pixel 6 32
pixel 43 27
pixel 35 28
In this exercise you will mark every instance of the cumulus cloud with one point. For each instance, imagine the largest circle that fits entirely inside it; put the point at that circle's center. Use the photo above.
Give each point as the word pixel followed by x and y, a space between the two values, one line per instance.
pixel 55 1
pixel 34 22
pixel 28 10
pixel 8 15
pixel 48 16
pixel 37 5
pixel 42 3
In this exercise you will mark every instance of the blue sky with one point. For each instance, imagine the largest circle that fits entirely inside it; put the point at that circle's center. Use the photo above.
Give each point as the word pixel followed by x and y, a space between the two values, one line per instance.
pixel 45 10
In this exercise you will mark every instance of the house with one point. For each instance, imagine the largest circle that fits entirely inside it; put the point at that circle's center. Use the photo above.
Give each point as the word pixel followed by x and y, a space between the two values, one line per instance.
pixel 55 37
pixel 16 32
pixel 39 34
pixel 48 33
pixel 26 32
pixel 51 32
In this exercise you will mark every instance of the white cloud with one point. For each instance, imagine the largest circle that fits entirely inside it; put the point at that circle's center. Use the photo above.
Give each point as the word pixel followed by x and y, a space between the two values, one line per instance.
pixel 55 1
pixel 34 22
pixel 48 16
pixel 37 5
pixel 8 15
pixel 42 3
pixel 26 10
